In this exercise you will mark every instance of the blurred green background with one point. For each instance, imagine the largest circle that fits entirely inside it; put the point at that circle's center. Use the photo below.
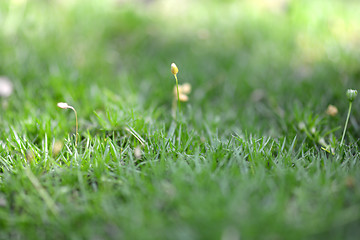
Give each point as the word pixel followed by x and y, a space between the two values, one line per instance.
pixel 238 163
pixel 249 62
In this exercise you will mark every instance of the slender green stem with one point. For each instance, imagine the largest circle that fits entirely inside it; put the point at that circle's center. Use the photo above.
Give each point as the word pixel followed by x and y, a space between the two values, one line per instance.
pixel 174 108
pixel 76 125
pixel 178 93
pixel 346 123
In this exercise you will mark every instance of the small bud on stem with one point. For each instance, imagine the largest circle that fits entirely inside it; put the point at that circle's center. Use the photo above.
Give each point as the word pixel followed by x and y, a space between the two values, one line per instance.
pixel 175 70
pixel 351 94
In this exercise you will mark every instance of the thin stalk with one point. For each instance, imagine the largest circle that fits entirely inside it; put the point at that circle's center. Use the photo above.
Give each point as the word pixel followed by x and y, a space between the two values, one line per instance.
pixel 346 123
pixel 177 90
pixel 76 125
pixel 173 108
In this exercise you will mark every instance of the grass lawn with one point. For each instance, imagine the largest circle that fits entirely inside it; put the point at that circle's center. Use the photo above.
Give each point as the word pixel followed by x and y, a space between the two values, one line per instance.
pixel 252 154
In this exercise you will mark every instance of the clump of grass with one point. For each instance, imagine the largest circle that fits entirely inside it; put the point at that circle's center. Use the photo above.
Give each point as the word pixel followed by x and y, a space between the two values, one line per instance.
pixel 351 95
pixel 199 180
pixel 67 106
pixel 319 136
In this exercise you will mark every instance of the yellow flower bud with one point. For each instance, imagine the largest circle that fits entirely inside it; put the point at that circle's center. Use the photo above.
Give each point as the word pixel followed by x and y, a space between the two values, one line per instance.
pixel 174 69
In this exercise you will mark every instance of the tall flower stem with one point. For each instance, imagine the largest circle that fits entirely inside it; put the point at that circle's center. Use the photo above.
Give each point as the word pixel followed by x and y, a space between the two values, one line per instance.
pixel 346 123
pixel 177 90
pixel 76 125
pixel 174 70
pixel 67 106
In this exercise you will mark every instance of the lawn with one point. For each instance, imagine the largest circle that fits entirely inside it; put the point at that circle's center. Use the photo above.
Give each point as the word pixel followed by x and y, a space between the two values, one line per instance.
pixel 252 154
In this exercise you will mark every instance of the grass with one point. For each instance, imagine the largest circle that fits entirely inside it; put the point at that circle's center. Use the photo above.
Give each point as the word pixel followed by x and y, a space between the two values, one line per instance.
pixel 235 165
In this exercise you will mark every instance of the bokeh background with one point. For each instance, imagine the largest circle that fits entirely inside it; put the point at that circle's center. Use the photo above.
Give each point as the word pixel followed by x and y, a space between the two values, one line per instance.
pixel 251 64
pixel 237 163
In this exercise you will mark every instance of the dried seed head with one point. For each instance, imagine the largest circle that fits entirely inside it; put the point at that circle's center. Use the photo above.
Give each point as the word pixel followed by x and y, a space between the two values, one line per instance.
pixel 322 142
pixel 174 69
pixel 58 145
pixel 183 91
pixel 185 88
pixel 351 94
pixel 137 152
pixel 331 110
pixel 301 126
pixel 6 87
pixel 350 182
pixel 183 98
pixel 30 155
pixel 313 130
pixel 63 105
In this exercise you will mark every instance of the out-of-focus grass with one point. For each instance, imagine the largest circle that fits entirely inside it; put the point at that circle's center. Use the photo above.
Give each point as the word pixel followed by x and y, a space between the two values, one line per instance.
pixel 237 163
pixel 303 51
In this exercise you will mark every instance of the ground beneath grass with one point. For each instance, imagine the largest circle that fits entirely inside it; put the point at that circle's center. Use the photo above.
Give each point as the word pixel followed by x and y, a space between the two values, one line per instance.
pixel 253 153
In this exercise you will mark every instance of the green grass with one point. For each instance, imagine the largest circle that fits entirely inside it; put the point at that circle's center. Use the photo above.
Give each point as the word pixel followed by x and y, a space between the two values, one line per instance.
pixel 236 164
